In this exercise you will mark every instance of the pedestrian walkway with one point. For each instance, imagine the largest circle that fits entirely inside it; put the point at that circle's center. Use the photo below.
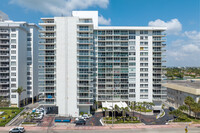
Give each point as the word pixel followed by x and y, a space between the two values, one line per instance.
pixel 106 127
pixel 47 121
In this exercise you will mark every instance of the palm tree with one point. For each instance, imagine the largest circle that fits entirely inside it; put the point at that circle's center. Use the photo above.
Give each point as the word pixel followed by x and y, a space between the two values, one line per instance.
pixel 132 107
pixel 189 101
pixel 124 110
pixel 19 91
pixel 105 109
pixel 145 106
pixel 139 106
pixel 195 108
pixel 116 108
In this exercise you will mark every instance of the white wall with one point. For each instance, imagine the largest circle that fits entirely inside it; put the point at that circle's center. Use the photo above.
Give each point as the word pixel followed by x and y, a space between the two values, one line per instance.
pixel 35 44
pixel 66 65
pixel 22 61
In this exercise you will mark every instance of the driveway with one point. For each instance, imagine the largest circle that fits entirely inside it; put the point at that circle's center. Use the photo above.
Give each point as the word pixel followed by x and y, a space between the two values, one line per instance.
pixel 151 119
pixel 95 119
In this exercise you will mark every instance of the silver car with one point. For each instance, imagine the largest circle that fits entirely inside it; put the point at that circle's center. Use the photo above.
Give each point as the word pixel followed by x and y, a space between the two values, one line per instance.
pixel 17 130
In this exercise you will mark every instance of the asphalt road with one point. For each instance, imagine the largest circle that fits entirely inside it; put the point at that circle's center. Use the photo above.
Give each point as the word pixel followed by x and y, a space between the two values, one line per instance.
pixel 163 130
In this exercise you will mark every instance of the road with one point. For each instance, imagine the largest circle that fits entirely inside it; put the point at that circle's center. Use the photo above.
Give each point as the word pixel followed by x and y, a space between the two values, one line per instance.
pixel 157 130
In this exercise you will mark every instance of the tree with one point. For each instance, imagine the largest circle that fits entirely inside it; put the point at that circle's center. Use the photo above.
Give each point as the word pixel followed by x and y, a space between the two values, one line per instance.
pixel 183 108
pixel 19 91
pixel 145 106
pixel 139 106
pixel 132 106
pixel 124 110
pixel 189 101
pixel 195 108
pixel 116 108
pixel 178 114
pixel 105 109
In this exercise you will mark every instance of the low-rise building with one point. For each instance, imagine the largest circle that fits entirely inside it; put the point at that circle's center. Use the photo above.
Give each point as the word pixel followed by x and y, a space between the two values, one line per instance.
pixel 178 90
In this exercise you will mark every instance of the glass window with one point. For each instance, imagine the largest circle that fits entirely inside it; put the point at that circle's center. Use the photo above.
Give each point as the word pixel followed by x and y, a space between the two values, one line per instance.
pixel 13 96
pixel 13 46
pixel 13 57
pixel 13 40
pixel 13 35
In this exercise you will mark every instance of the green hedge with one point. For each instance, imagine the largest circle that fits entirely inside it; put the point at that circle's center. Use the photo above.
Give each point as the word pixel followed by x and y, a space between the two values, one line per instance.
pixel 118 122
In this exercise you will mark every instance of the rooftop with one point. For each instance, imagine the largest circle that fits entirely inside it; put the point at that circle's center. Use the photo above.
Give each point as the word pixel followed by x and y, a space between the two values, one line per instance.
pixel 188 86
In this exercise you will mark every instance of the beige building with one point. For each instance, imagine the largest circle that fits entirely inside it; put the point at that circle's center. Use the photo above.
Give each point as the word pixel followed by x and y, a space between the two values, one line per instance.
pixel 178 90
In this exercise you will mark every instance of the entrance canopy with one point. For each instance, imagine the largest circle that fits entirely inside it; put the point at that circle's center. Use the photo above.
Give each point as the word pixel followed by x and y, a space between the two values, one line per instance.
pixel 108 105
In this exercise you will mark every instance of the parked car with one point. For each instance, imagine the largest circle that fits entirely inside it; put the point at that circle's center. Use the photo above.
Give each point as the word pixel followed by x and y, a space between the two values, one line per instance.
pixel 39 117
pixel 80 122
pixel 171 108
pixel 17 130
pixel 85 116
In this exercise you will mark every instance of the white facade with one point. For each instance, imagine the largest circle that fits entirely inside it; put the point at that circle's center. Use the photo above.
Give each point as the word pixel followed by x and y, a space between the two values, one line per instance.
pixel 18 59
pixel 98 63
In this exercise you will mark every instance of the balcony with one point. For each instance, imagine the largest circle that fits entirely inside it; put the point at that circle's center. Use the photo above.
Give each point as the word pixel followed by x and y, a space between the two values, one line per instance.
pixel 85 103
pixel 85 21
pixel 85 41
pixel 159 34
pixel 4 60
pixel 4 77
pixel 47 36
pixel 4 37
pixel 47 42
pixel 4 43
pixel 47 30
pixel 4 71
pixel 84 97
pixel 85 35
pixel 46 103
pixel 4 30
pixel 4 49
pixel 4 82
pixel 159 39
pixel 85 29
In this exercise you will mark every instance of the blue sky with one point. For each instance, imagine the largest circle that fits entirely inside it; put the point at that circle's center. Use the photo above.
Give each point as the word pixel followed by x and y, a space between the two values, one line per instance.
pixel 182 17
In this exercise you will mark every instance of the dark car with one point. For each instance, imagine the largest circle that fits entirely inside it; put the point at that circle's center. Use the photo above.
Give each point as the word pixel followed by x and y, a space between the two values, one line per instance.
pixel 171 108
pixel 17 130
pixel 80 122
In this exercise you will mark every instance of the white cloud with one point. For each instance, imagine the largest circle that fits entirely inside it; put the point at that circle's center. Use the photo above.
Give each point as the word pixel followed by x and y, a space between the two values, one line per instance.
pixel 104 21
pixel 174 27
pixel 190 48
pixel 59 7
pixel 185 53
pixel 192 35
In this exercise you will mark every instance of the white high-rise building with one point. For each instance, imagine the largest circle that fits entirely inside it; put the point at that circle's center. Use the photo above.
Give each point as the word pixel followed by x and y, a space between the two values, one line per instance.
pixel 81 63
pixel 18 61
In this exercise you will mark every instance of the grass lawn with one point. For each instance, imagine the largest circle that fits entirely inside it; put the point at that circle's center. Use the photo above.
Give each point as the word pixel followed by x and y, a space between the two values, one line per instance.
pixel 188 119
pixel 148 110
pixel 9 114
pixel 195 121
pixel 108 120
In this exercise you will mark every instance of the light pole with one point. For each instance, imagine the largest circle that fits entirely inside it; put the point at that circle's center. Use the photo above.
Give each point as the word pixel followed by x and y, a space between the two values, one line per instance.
pixel 112 107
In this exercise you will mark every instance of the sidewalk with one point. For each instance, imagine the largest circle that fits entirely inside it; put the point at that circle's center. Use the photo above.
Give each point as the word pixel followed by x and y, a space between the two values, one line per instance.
pixel 109 127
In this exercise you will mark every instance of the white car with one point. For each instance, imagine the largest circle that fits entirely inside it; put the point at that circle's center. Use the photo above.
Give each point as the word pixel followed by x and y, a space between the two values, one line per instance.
pixel 17 130
pixel 39 117
pixel 85 116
